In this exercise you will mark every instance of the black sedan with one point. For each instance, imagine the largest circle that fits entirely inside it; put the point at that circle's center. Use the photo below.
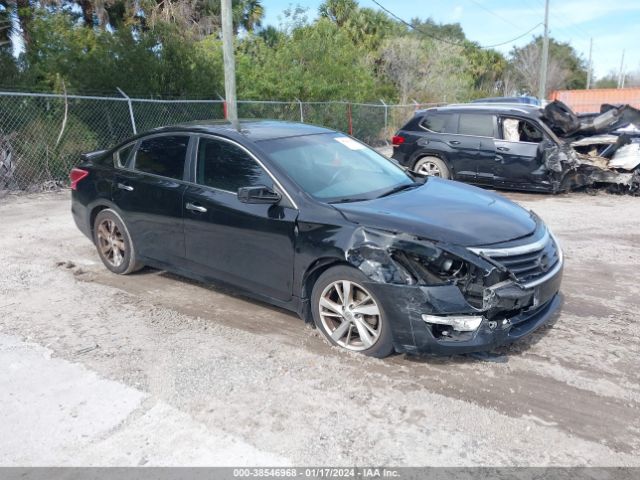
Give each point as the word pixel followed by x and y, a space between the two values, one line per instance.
pixel 316 222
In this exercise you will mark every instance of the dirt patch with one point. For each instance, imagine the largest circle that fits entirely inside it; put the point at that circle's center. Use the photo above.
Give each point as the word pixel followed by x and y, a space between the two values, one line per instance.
pixel 568 395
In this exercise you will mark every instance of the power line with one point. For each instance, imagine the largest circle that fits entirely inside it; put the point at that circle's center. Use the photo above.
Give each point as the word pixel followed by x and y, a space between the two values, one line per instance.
pixel 513 39
pixel 459 44
pixel 415 28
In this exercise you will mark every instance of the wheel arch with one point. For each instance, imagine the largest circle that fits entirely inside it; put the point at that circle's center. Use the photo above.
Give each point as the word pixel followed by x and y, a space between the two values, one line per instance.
pixel 311 275
pixel 96 207
pixel 430 153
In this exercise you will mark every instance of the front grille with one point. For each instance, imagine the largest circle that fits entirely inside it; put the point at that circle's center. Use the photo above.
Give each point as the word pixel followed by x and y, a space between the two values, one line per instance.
pixel 527 262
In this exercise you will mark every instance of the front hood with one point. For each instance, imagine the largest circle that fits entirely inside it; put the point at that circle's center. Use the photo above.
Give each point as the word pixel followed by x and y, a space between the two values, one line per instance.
pixel 445 211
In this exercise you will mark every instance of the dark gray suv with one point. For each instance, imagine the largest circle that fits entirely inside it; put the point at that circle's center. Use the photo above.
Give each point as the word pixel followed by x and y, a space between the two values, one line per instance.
pixel 494 145
pixel 521 147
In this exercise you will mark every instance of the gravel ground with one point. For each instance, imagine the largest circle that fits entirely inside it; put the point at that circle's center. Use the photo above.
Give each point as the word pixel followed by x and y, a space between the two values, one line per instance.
pixel 153 369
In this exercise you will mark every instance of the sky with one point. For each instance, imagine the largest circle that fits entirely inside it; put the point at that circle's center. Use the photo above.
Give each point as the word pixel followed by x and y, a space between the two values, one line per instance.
pixel 614 25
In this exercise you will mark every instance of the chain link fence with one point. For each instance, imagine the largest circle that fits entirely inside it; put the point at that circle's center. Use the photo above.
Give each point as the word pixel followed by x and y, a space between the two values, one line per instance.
pixel 43 135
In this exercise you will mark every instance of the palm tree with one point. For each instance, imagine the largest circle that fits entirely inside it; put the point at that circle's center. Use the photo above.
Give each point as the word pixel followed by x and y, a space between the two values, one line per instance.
pixel 247 14
pixel 23 11
pixel 270 35
pixel 6 25
pixel 338 11
pixel 95 12
pixel 252 14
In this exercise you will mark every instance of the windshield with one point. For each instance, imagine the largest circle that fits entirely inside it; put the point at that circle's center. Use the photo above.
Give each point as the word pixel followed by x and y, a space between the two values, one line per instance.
pixel 333 167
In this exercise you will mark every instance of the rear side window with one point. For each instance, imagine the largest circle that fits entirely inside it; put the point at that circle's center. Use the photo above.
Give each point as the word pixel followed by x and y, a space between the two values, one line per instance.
pixel 226 166
pixel 439 122
pixel 476 124
pixel 121 156
pixel 164 155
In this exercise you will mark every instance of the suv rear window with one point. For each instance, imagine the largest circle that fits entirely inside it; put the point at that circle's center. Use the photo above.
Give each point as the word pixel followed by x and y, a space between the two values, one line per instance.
pixel 476 124
pixel 439 122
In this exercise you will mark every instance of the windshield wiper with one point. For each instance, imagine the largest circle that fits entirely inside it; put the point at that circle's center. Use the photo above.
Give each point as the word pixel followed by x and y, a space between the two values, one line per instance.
pixel 349 200
pixel 399 188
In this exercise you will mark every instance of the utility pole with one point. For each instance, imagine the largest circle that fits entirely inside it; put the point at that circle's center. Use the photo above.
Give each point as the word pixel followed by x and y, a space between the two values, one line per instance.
pixel 542 89
pixel 621 74
pixel 229 63
pixel 589 73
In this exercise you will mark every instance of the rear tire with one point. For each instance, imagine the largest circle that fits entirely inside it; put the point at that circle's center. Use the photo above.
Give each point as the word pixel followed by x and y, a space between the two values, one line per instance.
pixel 348 314
pixel 113 242
pixel 432 167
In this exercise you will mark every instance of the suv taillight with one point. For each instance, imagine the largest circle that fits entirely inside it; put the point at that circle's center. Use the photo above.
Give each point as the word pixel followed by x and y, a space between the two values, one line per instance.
pixel 397 140
pixel 76 175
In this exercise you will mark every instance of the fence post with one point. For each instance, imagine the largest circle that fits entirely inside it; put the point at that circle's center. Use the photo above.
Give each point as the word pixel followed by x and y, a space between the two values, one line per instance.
pixel 349 118
pixel 385 113
pixel 133 120
pixel 224 105
pixel 301 114
pixel 66 113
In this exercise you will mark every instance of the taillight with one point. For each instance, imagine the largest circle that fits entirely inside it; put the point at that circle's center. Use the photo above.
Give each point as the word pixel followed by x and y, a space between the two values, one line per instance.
pixel 76 175
pixel 397 140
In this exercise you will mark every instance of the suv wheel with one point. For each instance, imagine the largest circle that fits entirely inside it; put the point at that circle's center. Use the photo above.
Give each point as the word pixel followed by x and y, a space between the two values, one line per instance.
pixel 431 166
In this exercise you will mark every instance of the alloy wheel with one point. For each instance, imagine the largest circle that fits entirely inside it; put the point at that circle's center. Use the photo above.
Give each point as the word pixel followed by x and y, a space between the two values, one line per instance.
pixel 350 315
pixel 111 242
pixel 429 168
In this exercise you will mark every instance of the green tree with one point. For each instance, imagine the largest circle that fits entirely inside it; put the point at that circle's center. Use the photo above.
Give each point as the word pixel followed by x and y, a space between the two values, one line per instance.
pixel 420 68
pixel 449 31
pixel 487 69
pixel 365 26
pixel 317 62
pixel 565 69
pixel 340 12
pixel 153 62
pixel 608 81
pixel 271 36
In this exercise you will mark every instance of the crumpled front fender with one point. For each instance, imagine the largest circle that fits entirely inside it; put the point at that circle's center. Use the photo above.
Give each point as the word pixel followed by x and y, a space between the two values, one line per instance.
pixel 374 253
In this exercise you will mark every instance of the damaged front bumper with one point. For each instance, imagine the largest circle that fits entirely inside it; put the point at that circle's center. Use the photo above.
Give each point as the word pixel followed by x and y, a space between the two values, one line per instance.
pixel 409 308
pixel 452 318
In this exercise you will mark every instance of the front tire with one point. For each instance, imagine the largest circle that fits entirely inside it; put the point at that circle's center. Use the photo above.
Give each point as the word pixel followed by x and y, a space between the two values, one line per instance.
pixel 112 239
pixel 432 167
pixel 348 314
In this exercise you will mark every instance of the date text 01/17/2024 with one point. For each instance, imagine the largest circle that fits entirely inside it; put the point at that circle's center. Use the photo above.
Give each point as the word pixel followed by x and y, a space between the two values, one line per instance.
pixel 315 472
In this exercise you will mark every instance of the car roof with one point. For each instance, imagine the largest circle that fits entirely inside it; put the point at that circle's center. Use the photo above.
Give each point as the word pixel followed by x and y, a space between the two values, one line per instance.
pixel 513 108
pixel 527 100
pixel 254 130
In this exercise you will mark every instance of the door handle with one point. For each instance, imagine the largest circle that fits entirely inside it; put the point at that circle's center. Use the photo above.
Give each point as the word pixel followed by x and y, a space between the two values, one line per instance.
pixel 122 186
pixel 196 208
pixel 454 142
pixel 503 149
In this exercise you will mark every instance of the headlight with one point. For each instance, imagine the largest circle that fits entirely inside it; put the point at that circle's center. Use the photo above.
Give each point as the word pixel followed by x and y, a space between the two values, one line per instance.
pixel 442 267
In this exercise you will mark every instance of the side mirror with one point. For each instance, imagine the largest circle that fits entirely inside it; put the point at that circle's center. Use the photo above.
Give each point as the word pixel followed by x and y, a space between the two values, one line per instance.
pixel 260 194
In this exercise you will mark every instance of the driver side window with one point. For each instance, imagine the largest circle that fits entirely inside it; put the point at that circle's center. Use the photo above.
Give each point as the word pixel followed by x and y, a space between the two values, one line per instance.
pixel 226 166
pixel 518 130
